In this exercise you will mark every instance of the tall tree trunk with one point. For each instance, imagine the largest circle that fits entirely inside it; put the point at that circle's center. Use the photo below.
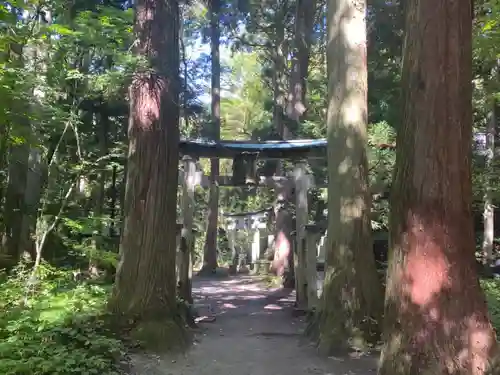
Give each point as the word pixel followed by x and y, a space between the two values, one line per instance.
pixel 322 36
pixel 279 66
pixel 489 208
pixel 14 204
pixel 283 263
pixel 13 59
pixel 351 303
pixel 98 197
pixel 37 57
pixel 4 165
pixel 112 202
pixel 33 193
pixel 304 22
pixel 4 137
pixel 145 286
pixel 436 318
pixel 210 251
pixel 123 182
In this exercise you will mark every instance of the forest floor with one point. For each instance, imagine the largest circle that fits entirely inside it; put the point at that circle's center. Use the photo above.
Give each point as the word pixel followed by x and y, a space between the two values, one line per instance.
pixel 254 334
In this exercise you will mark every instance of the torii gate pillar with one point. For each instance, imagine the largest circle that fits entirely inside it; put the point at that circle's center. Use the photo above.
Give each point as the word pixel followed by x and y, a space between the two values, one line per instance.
pixel 191 179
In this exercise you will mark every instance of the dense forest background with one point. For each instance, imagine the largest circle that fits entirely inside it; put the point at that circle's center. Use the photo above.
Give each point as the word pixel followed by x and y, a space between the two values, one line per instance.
pixel 65 69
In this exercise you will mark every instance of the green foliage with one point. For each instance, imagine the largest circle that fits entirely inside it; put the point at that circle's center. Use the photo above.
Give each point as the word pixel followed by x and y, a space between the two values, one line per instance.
pixel 381 162
pixel 63 91
pixel 491 289
pixel 487 31
pixel 243 109
pixel 55 326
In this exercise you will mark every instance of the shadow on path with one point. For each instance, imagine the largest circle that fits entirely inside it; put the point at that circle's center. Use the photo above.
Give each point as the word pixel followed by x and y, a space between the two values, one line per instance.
pixel 254 334
pixel 242 295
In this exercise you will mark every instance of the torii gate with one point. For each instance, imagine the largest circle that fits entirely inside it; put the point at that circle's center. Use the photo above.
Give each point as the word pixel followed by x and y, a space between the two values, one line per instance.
pixel 256 222
pixel 297 150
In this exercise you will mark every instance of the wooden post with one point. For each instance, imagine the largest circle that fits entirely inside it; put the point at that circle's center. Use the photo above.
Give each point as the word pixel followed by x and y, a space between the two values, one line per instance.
pixel 246 253
pixel 264 242
pixel 299 298
pixel 231 239
pixel 270 241
pixel 178 257
pixel 301 211
pixel 185 268
pixel 313 235
pixel 255 246
pixel 321 248
pixel 194 232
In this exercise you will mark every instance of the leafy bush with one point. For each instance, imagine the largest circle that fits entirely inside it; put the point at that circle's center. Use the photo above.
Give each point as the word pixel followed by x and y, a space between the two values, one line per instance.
pixel 491 289
pixel 54 326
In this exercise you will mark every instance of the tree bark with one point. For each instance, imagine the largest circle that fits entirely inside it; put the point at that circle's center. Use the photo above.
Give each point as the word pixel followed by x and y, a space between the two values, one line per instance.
pixel 112 204
pixel 304 18
pixel 283 262
pixel 98 198
pixel 14 204
pixel 210 250
pixel 304 21
pixel 351 303
pixel 123 178
pixel 13 166
pixel 436 318
pixel 33 193
pixel 145 286
pixel 278 60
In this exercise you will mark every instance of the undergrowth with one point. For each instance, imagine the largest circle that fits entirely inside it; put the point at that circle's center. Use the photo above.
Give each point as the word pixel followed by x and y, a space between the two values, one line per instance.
pixel 491 289
pixel 53 325
pixel 56 326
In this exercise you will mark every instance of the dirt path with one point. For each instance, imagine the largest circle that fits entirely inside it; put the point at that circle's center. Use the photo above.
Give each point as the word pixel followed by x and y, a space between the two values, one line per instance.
pixel 254 334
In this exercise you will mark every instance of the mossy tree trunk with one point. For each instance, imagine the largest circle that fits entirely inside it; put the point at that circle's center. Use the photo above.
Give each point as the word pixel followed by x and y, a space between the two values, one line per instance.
pixel 436 318
pixel 145 286
pixel 351 304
